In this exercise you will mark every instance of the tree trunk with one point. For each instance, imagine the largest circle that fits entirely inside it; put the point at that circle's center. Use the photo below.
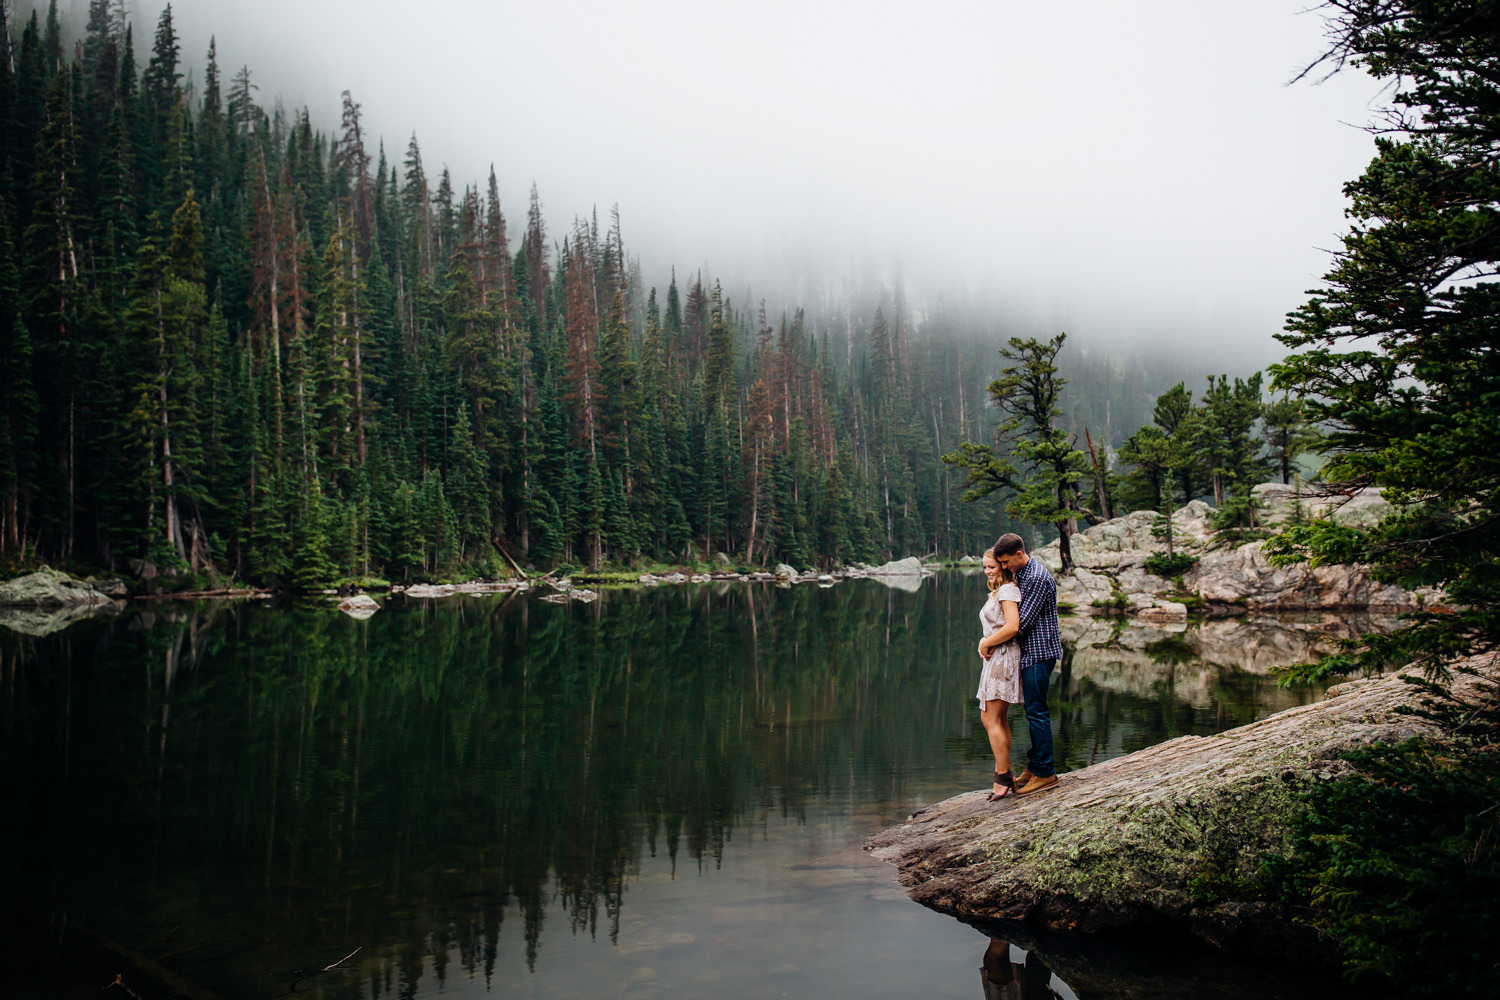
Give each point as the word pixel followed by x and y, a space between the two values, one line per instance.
pixel 1098 477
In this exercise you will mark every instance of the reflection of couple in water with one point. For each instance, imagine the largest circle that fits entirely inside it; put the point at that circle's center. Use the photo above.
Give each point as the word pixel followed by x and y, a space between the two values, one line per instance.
pixel 1021 645
pixel 1008 973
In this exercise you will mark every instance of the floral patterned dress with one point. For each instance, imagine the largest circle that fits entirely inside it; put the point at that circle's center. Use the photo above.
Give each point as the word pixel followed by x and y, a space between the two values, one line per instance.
pixel 1000 678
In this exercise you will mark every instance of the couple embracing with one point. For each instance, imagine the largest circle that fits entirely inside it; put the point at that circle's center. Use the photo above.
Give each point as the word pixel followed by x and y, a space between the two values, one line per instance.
pixel 1020 647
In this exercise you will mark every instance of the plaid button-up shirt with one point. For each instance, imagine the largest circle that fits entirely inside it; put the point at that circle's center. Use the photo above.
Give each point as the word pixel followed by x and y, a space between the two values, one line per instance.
pixel 1041 639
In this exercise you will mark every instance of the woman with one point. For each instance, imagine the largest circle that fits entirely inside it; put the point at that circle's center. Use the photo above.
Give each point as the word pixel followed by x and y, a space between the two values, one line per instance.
pixel 1000 677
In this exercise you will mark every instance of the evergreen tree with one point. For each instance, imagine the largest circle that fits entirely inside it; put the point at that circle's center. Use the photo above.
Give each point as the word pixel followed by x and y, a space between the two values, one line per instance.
pixel 466 488
pixel 1397 361
pixel 1228 449
pixel 1287 434
pixel 1410 403
pixel 1046 487
pixel 1158 454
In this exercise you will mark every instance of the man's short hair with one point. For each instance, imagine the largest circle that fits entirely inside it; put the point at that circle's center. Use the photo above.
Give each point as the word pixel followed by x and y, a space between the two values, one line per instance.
pixel 1009 544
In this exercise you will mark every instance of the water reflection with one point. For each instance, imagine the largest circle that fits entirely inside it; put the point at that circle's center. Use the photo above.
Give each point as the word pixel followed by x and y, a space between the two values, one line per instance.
pixel 1010 973
pixel 247 793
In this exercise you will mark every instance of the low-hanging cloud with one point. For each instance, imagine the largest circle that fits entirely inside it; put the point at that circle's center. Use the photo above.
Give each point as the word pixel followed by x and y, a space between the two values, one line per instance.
pixel 1131 172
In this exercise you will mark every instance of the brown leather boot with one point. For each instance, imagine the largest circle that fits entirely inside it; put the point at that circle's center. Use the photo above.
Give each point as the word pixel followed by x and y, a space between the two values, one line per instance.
pixel 1037 784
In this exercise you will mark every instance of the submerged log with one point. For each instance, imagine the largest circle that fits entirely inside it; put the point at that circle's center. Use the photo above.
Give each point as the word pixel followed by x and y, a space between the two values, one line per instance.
pixel 1167 840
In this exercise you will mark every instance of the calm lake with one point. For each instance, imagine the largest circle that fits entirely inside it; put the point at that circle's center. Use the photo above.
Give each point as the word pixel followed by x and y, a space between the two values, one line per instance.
pixel 659 794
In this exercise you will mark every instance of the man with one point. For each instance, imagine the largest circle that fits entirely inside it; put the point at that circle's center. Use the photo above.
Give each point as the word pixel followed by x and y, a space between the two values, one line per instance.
pixel 1041 646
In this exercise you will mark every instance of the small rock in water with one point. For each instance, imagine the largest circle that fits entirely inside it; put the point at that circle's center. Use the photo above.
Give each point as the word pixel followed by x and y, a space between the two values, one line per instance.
pixel 431 590
pixel 359 606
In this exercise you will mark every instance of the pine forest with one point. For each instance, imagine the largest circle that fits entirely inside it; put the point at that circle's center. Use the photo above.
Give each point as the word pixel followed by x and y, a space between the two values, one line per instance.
pixel 239 344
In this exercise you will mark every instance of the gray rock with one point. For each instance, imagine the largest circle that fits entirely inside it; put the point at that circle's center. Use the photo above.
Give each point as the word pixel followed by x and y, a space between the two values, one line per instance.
pixel 1084 587
pixel 360 606
pixel 489 586
pixel 910 566
pixel 1164 611
pixel 1109 559
pixel 721 559
pixel 1244 576
pixel 1278 503
pixel 432 590
pixel 1135 579
pixel 785 571
pixel 49 588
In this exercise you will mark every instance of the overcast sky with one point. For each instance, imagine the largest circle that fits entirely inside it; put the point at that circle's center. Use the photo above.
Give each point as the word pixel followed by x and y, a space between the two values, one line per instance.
pixel 1114 169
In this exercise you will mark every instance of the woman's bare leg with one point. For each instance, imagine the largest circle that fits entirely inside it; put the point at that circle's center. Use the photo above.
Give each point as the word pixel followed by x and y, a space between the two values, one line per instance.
pixel 996 718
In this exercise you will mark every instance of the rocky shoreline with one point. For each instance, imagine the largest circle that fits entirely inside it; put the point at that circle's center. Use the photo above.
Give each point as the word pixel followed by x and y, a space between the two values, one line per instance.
pixel 1109 575
pixel 47 600
pixel 1166 841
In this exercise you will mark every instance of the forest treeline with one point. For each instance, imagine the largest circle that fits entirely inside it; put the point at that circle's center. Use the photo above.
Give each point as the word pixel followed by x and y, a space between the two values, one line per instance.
pixel 232 344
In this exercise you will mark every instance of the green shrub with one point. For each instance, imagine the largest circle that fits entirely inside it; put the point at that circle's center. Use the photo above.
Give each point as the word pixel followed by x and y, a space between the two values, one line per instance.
pixel 1170 567
pixel 1398 863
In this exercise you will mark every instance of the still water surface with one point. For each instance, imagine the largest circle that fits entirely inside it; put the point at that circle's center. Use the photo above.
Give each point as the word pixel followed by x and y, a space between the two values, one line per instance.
pixel 660 794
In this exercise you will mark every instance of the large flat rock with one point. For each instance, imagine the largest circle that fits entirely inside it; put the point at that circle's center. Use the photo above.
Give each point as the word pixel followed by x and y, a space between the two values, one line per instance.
pixel 1163 839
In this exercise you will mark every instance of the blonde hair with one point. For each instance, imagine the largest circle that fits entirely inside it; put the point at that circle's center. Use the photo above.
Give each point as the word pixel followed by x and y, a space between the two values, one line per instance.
pixel 1004 576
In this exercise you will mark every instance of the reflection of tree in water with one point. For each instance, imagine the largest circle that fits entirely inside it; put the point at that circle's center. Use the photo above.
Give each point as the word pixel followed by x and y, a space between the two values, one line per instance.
pixel 284 783
pixel 405 783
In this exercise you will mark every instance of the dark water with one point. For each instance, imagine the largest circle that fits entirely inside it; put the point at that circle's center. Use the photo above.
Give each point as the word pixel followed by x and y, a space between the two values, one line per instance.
pixel 662 793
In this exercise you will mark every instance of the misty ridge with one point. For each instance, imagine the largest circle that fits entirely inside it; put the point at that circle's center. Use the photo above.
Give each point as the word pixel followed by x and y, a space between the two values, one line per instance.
pixel 247 345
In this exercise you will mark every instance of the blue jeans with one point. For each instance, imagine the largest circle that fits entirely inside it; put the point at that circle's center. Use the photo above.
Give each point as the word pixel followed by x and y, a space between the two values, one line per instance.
pixel 1035 675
